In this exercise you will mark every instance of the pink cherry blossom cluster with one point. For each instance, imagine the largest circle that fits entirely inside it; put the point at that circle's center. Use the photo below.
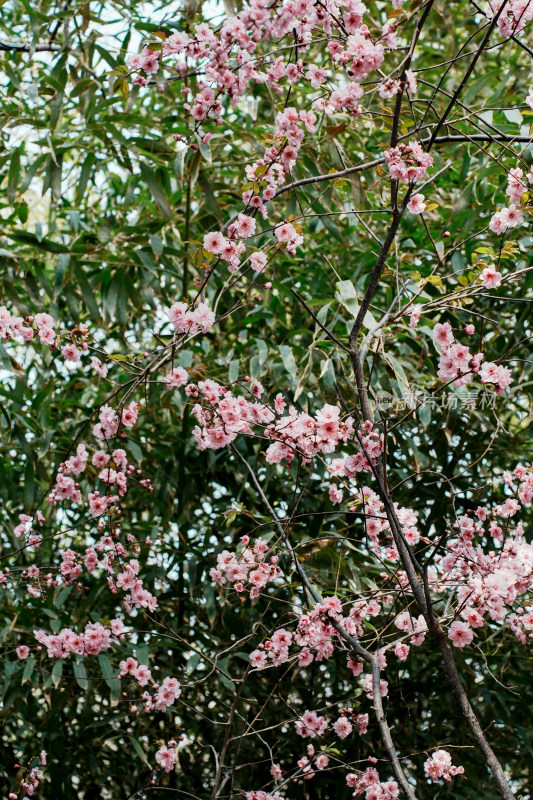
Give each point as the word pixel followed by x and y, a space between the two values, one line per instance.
pixel 408 162
pixel 140 672
pixel 26 529
pixel 223 416
pixel 261 795
pixel 266 174
pixel 315 636
pixel 491 278
pixel 288 236
pixel 439 765
pixel 113 467
pixel 26 522
pixel 110 420
pixel 45 328
pixel 343 99
pixel 95 638
pixel 458 363
pixel 506 218
pixel 73 349
pixel 270 170
pixel 137 596
pixel 368 686
pixel 493 583
pixel 362 56
pixel 187 320
pixel 515 15
pixel 226 248
pixel 246 568
pixel 389 87
pixel 311 762
pixel 225 54
pixel 306 435
pixel 516 185
pixel 31 781
pixel 109 554
pixel 415 627
pixel 164 695
pixel 32 778
pixel 166 755
pixel 279 157
pixel 368 783
pixel 310 724
pixel 317 639
pixel 11 327
pixel 377 526
pixel 42 326
pixel 370 443
pixel 37 582
pixel 343 726
pixel 489 567
pixel 416 204
pixel 228 69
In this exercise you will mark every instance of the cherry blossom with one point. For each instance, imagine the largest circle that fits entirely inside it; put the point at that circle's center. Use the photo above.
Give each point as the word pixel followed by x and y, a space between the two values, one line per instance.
pixel 439 765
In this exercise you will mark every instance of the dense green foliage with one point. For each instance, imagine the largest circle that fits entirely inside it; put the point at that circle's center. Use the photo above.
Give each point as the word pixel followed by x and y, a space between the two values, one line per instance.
pixel 102 215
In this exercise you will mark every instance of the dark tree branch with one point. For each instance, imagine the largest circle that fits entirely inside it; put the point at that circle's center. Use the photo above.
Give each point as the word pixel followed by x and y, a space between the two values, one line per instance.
pixel 29 48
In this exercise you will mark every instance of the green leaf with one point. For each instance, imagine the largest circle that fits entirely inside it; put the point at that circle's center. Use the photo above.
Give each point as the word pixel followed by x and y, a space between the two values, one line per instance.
pixel 85 174
pixel 13 176
pixel 347 297
pixel 205 149
pixel 110 675
pixel 151 181
pixel 137 746
pixel 179 164
pixel 233 372
pixel 210 602
pixel 25 237
pixel 513 115
pixel 81 675
pixel 122 87
pixel 62 595
pixel 56 172
pixel 398 370
pixel 57 672
pixel 63 261
pixel 28 669
pixel 87 293
pixel 287 357
pixel 84 85
pixel 157 244
pixel 108 672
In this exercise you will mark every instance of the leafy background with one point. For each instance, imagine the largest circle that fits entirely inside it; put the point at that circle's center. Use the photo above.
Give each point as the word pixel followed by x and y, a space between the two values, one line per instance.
pixel 101 214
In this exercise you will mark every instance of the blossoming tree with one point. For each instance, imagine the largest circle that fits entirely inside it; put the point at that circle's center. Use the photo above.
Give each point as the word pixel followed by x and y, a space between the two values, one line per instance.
pixel 265 401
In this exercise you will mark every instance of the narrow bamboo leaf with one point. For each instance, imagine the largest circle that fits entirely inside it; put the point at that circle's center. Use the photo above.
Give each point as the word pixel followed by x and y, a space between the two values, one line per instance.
pixel 151 181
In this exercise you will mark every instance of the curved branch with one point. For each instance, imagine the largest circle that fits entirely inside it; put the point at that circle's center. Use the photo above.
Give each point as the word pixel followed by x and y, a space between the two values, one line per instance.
pixel 5 47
